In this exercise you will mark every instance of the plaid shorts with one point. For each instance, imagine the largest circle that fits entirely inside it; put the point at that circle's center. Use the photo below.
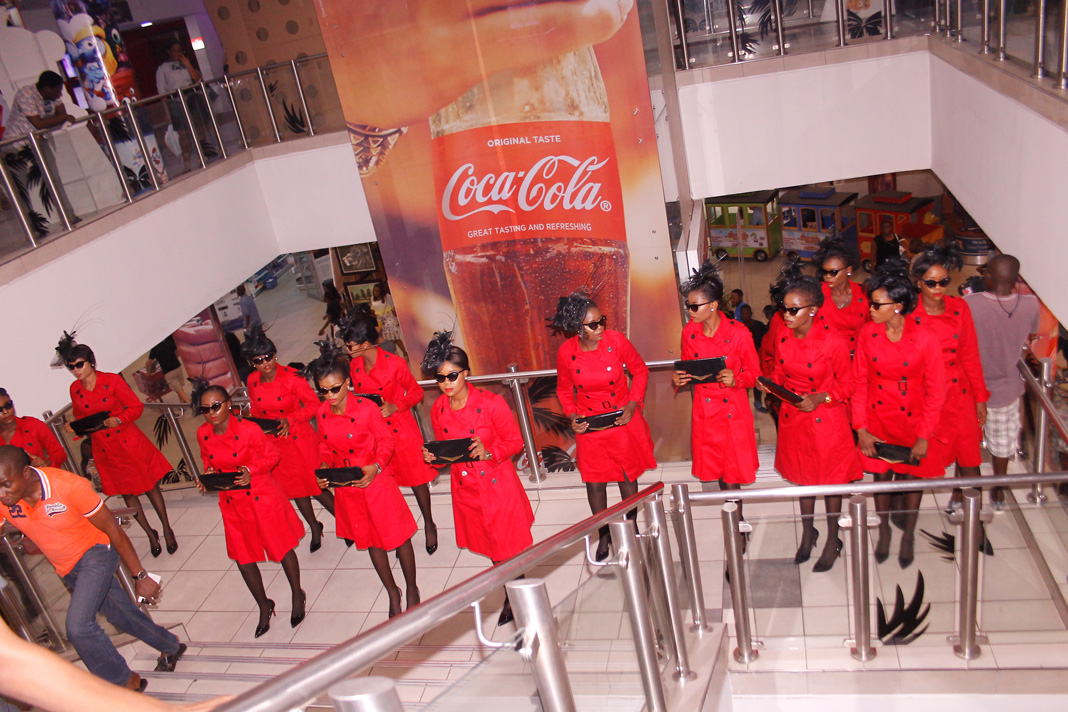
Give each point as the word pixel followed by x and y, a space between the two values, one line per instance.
pixel 1002 430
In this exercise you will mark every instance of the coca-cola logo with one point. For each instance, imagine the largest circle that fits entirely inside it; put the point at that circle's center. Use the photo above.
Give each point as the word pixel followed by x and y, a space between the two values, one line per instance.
pixel 537 188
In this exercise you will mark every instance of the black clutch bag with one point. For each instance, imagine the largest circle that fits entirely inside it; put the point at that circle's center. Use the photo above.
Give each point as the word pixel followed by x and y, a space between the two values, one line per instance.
pixel 340 476
pixel 702 370
pixel 897 454
pixel 90 423
pixel 783 394
pixel 601 421
pixel 373 397
pixel 222 482
pixel 269 426
pixel 447 452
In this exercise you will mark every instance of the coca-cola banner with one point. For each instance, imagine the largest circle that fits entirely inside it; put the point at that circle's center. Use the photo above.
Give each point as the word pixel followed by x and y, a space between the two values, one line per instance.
pixel 508 155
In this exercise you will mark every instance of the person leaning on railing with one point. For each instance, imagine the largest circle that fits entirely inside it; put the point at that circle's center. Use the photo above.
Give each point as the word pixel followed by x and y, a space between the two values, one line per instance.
pixel 815 439
pixel 279 393
pixel 128 463
pixel 491 509
pixel 257 521
pixel 900 387
pixel 722 436
pixel 30 434
pixel 591 369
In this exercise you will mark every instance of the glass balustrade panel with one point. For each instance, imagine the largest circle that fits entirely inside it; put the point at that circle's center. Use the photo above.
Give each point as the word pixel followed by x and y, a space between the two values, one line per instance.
pixel 320 93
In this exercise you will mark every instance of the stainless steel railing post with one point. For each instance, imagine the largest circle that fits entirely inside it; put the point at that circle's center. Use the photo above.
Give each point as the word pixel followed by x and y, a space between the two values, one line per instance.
pixel 858 549
pixel 680 22
pixel 985 49
pixel 192 129
pixel 20 211
pixel 211 115
pixel 1062 75
pixel 1003 10
pixel 366 694
pixel 776 7
pixel 691 568
pixel 631 574
pixel 732 543
pixel 59 642
pixel 303 99
pixel 960 21
pixel 183 444
pixel 46 172
pixel 1039 68
pixel 540 643
pixel 116 162
pixel 12 611
pixel 267 103
pixel 237 115
pixel 732 19
pixel 74 465
pixel 526 430
pixel 136 128
pixel 840 21
pixel 1038 463
pixel 657 517
pixel 938 16
pixel 971 535
pixel 888 19
pixel 708 17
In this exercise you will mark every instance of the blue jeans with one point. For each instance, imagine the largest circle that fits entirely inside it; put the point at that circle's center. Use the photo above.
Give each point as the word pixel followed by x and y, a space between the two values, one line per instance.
pixel 93 587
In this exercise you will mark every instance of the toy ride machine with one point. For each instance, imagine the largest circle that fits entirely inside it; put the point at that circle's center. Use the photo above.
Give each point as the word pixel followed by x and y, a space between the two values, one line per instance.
pixel 744 224
pixel 911 218
pixel 812 213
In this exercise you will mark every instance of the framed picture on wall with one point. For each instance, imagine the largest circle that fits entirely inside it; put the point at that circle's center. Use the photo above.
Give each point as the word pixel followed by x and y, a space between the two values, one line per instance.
pixel 356 258
pixel 361 293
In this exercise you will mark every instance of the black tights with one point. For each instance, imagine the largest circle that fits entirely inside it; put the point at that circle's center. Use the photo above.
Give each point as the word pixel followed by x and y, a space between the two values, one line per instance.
pixel 254 580
pixel 422 498
pixel 910 501
pixel 833 505
pixel 304 506
pixel 597 494
pixel 156 498
pixel 380 560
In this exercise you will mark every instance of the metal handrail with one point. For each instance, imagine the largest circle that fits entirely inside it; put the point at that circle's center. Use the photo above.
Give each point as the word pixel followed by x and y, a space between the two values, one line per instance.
pixel 525 375
pixel 298 686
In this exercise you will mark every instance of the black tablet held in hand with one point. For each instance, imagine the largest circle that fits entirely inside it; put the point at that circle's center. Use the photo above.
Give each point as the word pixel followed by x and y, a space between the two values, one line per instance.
pixel 222 482
pixel 373 397
pixel 897 454
pixel 447 452
pixel 783 394
pixel 702 370
pixel 269 426
pixel 340 476
pixel 90 423
pixel 601 421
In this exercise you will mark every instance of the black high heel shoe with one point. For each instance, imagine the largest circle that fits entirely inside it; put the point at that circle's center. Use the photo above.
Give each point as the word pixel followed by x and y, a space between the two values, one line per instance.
pixel 906 555
pixel 171 547
pixel 317 541
pixel 349 543
pixel 155 549
pixel 882 547
pixel 431 548
pixel 506 615
pixel 804 553
pixel 294 619
pixel 261 629
pixel 822 566
pixel 604 548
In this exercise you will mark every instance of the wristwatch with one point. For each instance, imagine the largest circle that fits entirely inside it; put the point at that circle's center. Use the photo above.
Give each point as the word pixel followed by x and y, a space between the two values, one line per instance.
pixel 141 575
pixel 827 399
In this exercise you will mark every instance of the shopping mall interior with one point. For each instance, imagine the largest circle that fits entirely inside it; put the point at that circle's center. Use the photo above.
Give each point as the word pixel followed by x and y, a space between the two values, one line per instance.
pixel 798 121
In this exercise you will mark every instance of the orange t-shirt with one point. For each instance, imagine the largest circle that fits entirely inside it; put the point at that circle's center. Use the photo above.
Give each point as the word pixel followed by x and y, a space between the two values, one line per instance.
pixel 59 525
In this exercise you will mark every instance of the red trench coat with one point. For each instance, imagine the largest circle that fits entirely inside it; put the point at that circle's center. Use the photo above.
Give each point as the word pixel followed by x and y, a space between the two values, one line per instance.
pixel 37 439
pixel 846 322
pixel 289 396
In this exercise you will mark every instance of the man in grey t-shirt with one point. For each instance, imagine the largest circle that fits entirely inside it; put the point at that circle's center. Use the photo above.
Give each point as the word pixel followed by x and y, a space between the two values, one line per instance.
pixel 248 307
pixel 1005 322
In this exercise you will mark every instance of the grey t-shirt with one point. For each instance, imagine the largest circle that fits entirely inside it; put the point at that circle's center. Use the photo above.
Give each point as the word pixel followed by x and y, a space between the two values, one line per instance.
pixel 248 308
pixel 1003 325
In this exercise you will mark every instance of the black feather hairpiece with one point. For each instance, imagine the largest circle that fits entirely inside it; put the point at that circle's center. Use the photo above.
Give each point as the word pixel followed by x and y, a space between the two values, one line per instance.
pixel 570 311
pixel 437 351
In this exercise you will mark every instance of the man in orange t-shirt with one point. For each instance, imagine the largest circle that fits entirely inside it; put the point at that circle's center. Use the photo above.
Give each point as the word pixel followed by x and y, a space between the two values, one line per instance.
pixel 74 529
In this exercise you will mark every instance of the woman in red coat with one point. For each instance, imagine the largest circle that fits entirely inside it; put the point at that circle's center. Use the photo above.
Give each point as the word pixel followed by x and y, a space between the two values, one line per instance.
pixel 960 427
pixel 845 308
pixel 30 434
pixel 815 440
pixel 371 512
pixel 899 391
pixel 128 463
pixel 258 522
pixel 279 393
pixel 591 379
pixel 374 370
pixel 722 435
pixel 492 513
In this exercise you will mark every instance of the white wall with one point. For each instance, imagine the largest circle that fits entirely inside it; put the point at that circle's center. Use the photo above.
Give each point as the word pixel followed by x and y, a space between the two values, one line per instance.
pixel 1009 168
pixel 129 288
pixel 806 125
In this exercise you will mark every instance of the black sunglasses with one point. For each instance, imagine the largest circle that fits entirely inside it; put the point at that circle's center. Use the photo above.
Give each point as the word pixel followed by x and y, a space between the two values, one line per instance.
pixel 77 365
pixel 332 391
pixel 932 283
pixel 793 311
pixel 450 377
pixel 879 305
pixel 257 360
pixel 10 405
pixel 214 407
pixel 695 307
pixel 830 272
pixel 593 325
